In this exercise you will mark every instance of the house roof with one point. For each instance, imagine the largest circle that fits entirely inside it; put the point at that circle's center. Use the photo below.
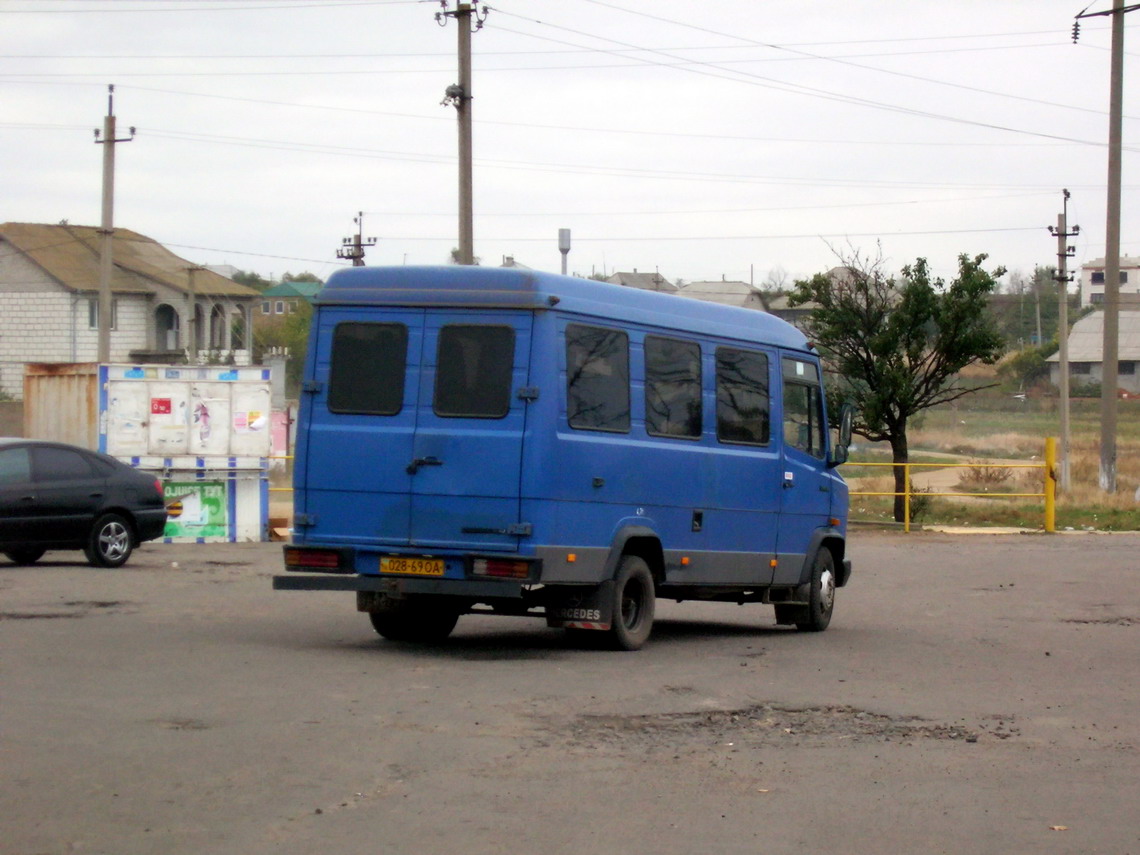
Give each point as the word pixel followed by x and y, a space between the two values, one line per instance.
pixel 732 293
pixel 1086 340
pixel 70 255
pixel 644 281
pixel 294 290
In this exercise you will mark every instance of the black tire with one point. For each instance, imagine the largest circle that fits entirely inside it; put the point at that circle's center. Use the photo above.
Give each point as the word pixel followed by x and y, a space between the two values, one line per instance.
pixel 407 620
pixel 816 615
pixel 111 541
pixel 25 555
pixel 633 606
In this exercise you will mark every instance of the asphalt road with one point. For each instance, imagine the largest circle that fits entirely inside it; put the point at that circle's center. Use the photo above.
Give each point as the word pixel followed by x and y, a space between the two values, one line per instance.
pixel 974 694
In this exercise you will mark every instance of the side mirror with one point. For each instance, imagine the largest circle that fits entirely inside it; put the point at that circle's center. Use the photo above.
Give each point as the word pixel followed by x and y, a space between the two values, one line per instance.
pixel 840 450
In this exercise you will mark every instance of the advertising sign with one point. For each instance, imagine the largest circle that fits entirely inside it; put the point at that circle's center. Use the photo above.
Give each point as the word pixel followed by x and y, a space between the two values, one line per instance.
pixel 196 509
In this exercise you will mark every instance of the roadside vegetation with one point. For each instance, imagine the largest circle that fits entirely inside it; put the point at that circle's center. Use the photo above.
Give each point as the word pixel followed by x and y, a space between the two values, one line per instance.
pixel 992 427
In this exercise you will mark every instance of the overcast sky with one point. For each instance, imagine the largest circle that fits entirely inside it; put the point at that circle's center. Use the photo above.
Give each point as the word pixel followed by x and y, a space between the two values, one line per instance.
pixel 727 138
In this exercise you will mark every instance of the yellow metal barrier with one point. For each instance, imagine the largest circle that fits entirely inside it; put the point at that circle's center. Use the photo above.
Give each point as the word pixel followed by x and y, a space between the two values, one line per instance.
pixel 280 457
pixel 1048 493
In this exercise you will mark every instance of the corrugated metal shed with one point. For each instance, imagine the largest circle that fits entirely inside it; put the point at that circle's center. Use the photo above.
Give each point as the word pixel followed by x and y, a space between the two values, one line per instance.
pixel 70 255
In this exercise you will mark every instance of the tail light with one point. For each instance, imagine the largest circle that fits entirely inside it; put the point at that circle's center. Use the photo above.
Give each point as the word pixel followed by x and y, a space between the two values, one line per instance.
pixel 500 568
pixel 327 560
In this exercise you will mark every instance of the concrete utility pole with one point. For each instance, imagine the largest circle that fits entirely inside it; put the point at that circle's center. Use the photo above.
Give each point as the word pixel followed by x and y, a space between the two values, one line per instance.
pixel 353 247
pixel 1064 253
pixel 192 302
pixel 467 17
pixel 1110 353
pixel 107 229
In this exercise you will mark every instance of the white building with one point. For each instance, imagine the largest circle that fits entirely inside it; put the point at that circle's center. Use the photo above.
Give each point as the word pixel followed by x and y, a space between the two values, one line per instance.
pixel 1092 279
pixel 1086 346
pixel 49 286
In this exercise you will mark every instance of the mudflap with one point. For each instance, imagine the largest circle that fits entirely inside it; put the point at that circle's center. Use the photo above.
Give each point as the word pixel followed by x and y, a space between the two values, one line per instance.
pixel 581 608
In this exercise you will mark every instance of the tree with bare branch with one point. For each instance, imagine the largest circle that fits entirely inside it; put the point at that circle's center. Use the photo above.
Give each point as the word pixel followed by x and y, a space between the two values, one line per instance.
pixel 898 345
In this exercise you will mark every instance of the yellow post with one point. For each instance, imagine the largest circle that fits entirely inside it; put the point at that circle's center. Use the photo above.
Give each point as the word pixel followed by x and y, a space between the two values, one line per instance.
pixel 1050 483
pixel 906 497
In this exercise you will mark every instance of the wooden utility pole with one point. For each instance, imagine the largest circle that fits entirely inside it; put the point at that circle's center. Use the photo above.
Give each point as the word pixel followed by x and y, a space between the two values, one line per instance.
pixel 1111 352
pixel 107 228
pixel 354 247
pixel 467 17
pixel 1064 252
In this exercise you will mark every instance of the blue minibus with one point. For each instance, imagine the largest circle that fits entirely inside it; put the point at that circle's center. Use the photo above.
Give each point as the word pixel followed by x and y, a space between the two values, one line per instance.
pixel 504 441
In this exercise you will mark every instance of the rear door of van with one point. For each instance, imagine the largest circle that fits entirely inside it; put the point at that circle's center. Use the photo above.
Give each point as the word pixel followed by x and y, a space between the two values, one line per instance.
pixel 415 428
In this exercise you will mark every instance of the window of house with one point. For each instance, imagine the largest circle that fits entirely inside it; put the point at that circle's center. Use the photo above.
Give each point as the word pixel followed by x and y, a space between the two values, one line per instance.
pixel 1080 368
pixel 279 307
pixel 1097 277
pixel 473 372
pixel 368 366
pixel 266 308
pixel 742 405
pixel 1097 298
pixel 93 313
pixel 672 387
pixel 1128 368
pixel 597 378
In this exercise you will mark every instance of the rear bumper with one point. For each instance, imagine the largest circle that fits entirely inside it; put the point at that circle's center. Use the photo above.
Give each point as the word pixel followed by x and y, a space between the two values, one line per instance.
pixel 399 586
pixel 150 524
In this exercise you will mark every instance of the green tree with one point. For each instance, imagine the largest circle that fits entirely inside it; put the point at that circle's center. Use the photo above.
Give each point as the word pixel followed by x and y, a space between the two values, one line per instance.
pixel 897 345
pixel 306 276
pixel 291 333
pixel 253 280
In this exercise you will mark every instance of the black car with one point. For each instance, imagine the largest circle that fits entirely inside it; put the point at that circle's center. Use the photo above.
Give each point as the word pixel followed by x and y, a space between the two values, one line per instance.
pixel 57 496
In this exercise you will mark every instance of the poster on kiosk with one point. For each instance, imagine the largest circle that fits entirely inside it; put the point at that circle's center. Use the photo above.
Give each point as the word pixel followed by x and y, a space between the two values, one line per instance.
pixel 208 430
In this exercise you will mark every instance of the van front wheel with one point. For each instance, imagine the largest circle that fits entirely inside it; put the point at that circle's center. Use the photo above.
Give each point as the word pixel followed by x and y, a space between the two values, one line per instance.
pixel 633 605
pixel 816 615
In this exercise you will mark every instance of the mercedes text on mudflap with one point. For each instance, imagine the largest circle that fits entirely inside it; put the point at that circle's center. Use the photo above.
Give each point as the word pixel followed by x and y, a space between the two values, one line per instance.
pixel 511 442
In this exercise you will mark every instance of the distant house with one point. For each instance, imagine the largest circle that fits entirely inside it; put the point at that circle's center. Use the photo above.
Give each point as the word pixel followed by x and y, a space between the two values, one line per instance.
pixel 509 261
pixel 725 292
pixel 283 298
pixel 645 281
pixel 1086 349
pixel 164 308
pixel 1092 279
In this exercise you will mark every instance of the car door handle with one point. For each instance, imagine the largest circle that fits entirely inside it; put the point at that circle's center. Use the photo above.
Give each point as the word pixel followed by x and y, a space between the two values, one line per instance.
pixel 415 465
pixel 95 495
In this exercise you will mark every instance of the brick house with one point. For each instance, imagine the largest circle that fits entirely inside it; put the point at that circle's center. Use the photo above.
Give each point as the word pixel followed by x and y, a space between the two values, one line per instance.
pixel 164 308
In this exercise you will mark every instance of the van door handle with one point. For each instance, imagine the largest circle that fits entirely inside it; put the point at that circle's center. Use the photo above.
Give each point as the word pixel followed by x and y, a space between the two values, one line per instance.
pixel 415 465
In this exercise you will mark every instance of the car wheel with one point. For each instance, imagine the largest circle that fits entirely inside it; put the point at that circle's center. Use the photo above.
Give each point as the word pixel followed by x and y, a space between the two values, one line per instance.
pixel 111 542
pixel 634 604
pixel 26 555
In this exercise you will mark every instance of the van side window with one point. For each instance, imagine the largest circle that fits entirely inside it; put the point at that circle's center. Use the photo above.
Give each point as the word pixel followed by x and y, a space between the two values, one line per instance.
pixel 672 387
pixel 368 366
pixel 597 378
pixel 803 407
pixel 742 407
pixel 473 371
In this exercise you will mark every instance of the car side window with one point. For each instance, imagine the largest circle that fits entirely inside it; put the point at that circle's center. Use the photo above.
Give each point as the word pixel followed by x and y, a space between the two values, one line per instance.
pixel 15 466
pixel 60 464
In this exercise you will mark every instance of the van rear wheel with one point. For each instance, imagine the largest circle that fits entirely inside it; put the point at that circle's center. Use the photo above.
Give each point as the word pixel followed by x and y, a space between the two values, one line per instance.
pixel 404 620
pixel 633 605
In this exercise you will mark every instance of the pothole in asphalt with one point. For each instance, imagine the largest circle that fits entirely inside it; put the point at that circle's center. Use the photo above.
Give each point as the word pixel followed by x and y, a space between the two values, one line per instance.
pixel 771 724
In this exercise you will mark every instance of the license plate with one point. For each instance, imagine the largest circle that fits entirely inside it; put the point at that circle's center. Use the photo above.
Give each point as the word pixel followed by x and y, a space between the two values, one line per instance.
pixel 412 566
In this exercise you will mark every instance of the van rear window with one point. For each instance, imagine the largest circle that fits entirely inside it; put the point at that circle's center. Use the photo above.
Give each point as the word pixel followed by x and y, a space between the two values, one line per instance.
pixel 368 366
pixel 473 372
pixel 742 410
pixel 597 378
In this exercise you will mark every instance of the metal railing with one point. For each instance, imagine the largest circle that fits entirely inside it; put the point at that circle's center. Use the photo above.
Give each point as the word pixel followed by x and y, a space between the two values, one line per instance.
pixel 1048 493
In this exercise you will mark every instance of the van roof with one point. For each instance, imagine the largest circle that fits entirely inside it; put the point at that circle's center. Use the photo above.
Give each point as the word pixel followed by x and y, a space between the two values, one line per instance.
pixel 458 286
